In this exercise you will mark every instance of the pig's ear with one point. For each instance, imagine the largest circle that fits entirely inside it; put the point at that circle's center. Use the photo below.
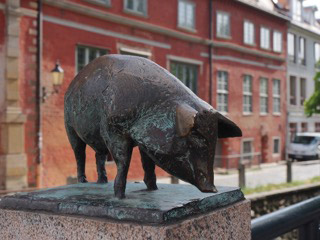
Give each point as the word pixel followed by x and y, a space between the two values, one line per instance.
pixel 227 128
pixel 185 117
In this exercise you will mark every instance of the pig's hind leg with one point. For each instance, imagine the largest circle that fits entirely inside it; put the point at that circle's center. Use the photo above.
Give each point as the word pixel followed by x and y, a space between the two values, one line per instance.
pixel 148 165
pixel 101 161
pixel 79 149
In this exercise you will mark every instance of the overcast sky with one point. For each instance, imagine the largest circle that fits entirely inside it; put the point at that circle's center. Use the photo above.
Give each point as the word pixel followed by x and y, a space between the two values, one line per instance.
pixel 313 2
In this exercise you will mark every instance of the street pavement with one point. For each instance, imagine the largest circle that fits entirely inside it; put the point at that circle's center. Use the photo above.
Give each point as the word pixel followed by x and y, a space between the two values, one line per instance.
pixel 267 174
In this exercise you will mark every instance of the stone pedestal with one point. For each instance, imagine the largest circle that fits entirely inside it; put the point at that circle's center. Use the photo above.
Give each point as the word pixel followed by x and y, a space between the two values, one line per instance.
pixel 89 211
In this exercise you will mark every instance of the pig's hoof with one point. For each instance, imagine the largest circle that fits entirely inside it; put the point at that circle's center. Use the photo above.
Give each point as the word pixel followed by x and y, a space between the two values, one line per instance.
pixel 120 195
pixel 82 179
pixel 103 179
pixel 152 187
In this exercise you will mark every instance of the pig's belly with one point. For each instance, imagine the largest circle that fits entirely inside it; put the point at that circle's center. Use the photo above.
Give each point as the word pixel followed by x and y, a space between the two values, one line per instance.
pixel 88 129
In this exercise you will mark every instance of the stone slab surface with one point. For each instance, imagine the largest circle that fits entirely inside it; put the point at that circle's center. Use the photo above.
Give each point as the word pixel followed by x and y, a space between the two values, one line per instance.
pixel 231 222
pixel 168 204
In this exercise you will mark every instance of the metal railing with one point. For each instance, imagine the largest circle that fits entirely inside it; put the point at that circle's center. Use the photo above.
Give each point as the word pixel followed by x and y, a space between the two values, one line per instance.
pixel 304 216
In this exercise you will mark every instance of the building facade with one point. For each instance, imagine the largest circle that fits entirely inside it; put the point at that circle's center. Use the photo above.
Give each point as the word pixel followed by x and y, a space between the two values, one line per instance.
pixel 250 75
pixel 303 55
pixel 245 83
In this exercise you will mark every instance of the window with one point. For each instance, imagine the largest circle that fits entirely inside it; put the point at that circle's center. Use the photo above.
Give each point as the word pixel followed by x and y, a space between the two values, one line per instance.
pixel 304 127
pixel 317 127
pixel 222 91
pixel 276 145
pixel 303 91
pixel 263 95
pixel 296 9
pixel 248 34
pixel 247 94
pixel 293 87
pixel 247 150
pixel 223 24
pixel 264 38
pixel 136 6
pixel 277 41
pixel 276 96
pixel 187 73
pixel 302 51
pixel 317 52
pixel 186 14
pixel 87 54
pixel 292 47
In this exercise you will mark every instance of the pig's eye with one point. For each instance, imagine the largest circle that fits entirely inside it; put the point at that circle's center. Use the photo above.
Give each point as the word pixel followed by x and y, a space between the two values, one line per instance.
pixel 197 140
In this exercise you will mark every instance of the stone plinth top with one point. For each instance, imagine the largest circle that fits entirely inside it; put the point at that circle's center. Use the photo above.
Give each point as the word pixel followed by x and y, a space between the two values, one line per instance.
pixel 170 202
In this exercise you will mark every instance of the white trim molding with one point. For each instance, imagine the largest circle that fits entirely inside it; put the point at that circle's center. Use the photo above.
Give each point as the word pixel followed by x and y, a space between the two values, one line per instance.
pixel 243 61
pixel 2 6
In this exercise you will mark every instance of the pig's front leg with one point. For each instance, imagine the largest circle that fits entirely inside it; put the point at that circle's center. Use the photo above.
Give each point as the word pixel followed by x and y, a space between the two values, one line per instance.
pixel 150 178
pixel 121 150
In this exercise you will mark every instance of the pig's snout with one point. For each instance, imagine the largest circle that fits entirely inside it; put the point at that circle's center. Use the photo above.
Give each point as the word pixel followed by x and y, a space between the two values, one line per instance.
pixel 204 185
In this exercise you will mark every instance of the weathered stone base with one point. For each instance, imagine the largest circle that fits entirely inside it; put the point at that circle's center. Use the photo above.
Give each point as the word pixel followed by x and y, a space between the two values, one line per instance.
pixel 232 222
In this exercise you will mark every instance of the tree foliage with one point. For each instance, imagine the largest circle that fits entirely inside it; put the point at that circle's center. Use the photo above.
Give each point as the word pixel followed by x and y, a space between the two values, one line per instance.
pixel 312 105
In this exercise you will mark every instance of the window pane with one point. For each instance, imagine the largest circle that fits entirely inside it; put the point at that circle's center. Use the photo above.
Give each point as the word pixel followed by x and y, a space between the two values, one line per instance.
pixel 186 73
pixel 276 146
pixel 186 14
pixel 223 24
pixel 293 90
pixel 302 91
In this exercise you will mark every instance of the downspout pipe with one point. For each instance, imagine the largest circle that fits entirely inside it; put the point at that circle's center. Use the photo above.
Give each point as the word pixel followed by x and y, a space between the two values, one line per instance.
pixel 210 49
pixel 38 92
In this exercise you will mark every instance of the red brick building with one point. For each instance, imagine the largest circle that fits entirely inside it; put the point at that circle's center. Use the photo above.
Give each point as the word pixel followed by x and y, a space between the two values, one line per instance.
pixel 175 34
pixel 249 62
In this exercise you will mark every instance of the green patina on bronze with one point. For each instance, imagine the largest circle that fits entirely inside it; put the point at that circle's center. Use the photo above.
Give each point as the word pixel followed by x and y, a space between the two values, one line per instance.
pixel 173 202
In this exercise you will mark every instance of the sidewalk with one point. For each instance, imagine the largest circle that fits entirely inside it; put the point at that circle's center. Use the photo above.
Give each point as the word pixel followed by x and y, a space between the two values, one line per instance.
pixel 267 174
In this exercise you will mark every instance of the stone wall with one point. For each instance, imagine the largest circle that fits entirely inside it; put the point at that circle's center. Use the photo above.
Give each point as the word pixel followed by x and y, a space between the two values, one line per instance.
pixel 264 203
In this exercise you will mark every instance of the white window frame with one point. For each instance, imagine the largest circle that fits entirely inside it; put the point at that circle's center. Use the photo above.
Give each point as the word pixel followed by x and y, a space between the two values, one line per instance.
pixel 277 43
pixel 133 51
pixel 265 39
pixel 246 108
pixel 221 106
pixel 225 33
pixel 184 24
pixel 264 95
pixel 248 37
pixel 276 96
pixel 273 145
pixel 135 10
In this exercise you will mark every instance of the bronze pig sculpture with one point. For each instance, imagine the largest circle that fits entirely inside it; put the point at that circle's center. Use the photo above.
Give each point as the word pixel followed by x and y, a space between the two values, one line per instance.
pixel 118 102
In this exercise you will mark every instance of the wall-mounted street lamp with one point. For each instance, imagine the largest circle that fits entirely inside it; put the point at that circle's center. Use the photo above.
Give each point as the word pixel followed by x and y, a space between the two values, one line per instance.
pixel 57 80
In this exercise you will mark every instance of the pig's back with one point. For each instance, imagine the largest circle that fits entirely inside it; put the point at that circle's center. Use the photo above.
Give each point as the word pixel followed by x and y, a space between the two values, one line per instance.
pixel 123 87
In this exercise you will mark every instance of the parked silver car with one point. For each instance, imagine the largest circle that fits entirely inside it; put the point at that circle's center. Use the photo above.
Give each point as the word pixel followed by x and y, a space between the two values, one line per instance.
pixel 305 146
